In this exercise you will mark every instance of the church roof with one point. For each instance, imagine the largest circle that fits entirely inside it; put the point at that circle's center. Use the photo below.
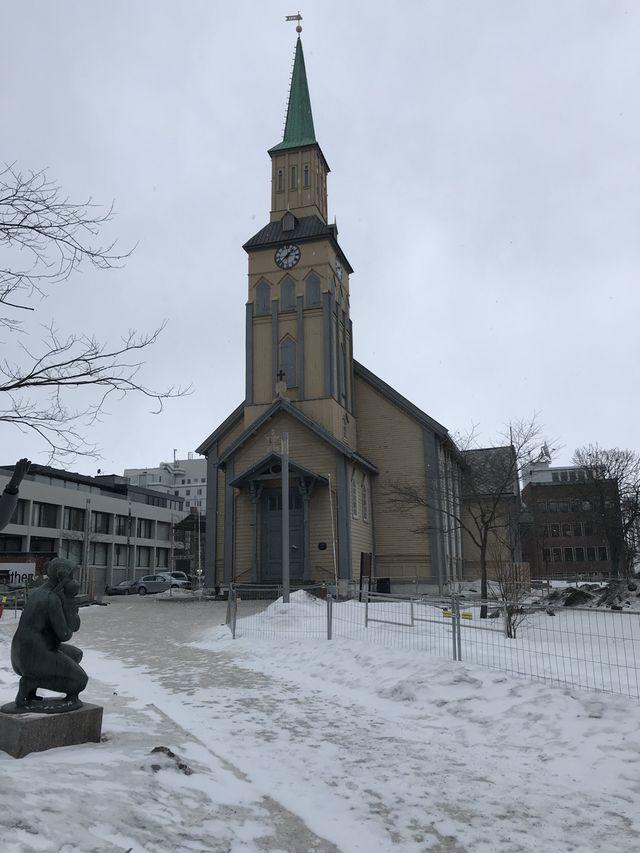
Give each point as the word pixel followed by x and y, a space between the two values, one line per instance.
pixel 299 128
pixel 281 404
pixel 306 228
pixel 406 405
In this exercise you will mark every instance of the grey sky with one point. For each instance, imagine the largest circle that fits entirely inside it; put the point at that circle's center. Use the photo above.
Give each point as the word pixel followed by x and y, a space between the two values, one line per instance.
pixel 485 179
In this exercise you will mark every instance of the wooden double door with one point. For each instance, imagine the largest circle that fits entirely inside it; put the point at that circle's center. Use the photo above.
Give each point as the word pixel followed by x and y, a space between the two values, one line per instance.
pixel 271 536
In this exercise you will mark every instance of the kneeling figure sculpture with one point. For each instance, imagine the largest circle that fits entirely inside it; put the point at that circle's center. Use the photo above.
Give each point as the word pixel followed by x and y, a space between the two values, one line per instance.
pixel 40 653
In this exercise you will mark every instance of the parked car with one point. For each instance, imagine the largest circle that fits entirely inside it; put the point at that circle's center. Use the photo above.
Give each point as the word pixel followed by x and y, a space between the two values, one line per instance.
pixel 123 588
pixel 160 583
pixel 179 578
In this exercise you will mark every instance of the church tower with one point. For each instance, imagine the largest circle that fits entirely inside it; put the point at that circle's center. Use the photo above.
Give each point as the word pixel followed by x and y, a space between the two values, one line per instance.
pixel 348 433
pixel 298 326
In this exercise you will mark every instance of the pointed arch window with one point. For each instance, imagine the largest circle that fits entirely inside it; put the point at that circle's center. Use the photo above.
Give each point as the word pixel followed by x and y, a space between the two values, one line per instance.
pixel 287 294
pixel 280 181
pixel 294 178
pixel 262 302
pixel 365 497
pixel 288 352
pixel 312 291
pixel 354 494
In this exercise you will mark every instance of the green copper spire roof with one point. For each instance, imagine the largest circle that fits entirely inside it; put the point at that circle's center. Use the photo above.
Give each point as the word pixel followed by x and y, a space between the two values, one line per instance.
pixel 298 130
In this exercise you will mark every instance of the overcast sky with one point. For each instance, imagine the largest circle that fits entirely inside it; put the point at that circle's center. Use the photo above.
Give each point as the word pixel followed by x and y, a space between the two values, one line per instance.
pixel 484 175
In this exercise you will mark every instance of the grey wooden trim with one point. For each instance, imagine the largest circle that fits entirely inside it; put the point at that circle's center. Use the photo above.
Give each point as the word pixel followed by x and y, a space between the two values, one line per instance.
pixel 434 507
pixel 228 521
pixel 352 375
pixel 249 355
pixel 274 346
pixel 300 352
pixel 212 515
pixel 344 517
pixel 327 342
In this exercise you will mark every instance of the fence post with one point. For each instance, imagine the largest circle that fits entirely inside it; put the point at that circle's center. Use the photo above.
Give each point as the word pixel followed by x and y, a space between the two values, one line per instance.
pixel 229 597
pixel 329 615
pixel 411 608
pixel 366 609
pixel 234 613
pixel 454 635
pixel 458 631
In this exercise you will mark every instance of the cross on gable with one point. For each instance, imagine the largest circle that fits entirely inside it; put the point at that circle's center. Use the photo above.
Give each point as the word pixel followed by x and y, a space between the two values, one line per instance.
pixel 281 375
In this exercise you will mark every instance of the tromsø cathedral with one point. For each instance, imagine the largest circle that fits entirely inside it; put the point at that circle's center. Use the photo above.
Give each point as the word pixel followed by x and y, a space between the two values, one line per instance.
pixel 350 434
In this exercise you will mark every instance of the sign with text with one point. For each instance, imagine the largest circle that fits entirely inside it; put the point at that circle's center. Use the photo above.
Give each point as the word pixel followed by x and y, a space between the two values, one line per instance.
pixel 16 573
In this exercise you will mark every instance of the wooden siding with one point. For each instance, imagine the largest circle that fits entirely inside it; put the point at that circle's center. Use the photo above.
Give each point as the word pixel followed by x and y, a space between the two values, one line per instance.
pixel 394 442
pixel 262 390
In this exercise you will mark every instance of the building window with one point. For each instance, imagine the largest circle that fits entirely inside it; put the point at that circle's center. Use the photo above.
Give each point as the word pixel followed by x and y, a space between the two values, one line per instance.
pixel 199 491
pixel 163 531
pixel 100 522
pixel 546 555
pixel 554 530
pixel 123 527
pixel 144 556
pixel 203 479
pixel 312 291
pixel 262 302
pixel 306 176
pixel 71 549
pixel 577 528
pixel 162 558
pixel 287 294
pixel 602 552
pixel 98 556
pixel 145 528
pixel 588 528
pixel 120 555
pixel 567 529
pixel 553 506
pixel 354 495
pixel 556 553
pixel 288 351
pixel 280 181
pixel 20 513
pixel 579 555
pixel 187 491
pixel 44 515
pixel 294 178
pixel 591 553
pixel 555 477
pixel 563 506
pixel 176 492
pixel 568 555
pixel 73 518
pixel 365 498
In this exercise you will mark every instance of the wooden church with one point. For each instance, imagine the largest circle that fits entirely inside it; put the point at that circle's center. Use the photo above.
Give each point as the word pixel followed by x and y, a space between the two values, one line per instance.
pixel 350 434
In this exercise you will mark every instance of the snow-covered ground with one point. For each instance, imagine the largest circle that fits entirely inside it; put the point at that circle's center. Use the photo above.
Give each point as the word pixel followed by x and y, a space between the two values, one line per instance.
pixel 310 745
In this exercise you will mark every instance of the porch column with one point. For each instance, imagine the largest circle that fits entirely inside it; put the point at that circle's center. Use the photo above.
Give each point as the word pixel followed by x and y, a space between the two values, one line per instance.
pixel 255 490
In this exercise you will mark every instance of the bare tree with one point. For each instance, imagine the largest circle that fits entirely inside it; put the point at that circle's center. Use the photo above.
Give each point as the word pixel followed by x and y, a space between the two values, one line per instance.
pixel 614 475
pixel 44 238
pixel 489 483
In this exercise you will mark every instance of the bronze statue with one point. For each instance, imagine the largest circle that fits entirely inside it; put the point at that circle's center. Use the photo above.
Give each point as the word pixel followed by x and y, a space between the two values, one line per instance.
pixel 9 497
pixel 40 653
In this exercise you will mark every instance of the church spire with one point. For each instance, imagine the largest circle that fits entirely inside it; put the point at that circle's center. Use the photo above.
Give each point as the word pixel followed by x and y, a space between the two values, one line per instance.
pixel 299 128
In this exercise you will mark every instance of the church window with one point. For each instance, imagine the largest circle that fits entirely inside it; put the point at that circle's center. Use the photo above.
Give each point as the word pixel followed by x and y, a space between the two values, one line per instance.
pixel 354 495
pixel 365 498
pixel 306 177
pixel 287 294
pixel 280 181
pixel 312 291
pixel 263 298
pixel 288 351
pixel 294 178
pixel 341 373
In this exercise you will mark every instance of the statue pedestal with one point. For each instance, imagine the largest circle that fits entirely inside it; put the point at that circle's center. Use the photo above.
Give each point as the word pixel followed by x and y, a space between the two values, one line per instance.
pixel 21 734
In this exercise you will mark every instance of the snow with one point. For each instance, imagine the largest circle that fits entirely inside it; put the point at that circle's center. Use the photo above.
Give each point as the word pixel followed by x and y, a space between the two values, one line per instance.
pixel 308 745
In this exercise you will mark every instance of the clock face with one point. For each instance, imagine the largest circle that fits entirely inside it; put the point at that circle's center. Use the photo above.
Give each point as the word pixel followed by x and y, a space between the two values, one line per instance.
pixel 338 269
pixel 287 256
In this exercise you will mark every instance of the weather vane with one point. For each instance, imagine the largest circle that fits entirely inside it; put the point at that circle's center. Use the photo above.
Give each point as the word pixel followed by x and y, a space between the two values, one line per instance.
pixel 297 18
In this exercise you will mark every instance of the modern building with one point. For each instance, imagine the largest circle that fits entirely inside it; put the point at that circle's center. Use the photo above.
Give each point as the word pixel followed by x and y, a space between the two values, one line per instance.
pixel 566 530
pixel 350 434
pixel 183 478
pixel 104 524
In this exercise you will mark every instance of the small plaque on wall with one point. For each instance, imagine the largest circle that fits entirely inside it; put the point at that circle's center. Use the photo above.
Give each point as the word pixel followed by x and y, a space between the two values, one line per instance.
pixel 322 546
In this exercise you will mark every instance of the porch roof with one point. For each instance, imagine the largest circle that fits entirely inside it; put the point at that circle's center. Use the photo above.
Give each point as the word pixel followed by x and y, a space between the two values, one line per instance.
pixel 270 468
